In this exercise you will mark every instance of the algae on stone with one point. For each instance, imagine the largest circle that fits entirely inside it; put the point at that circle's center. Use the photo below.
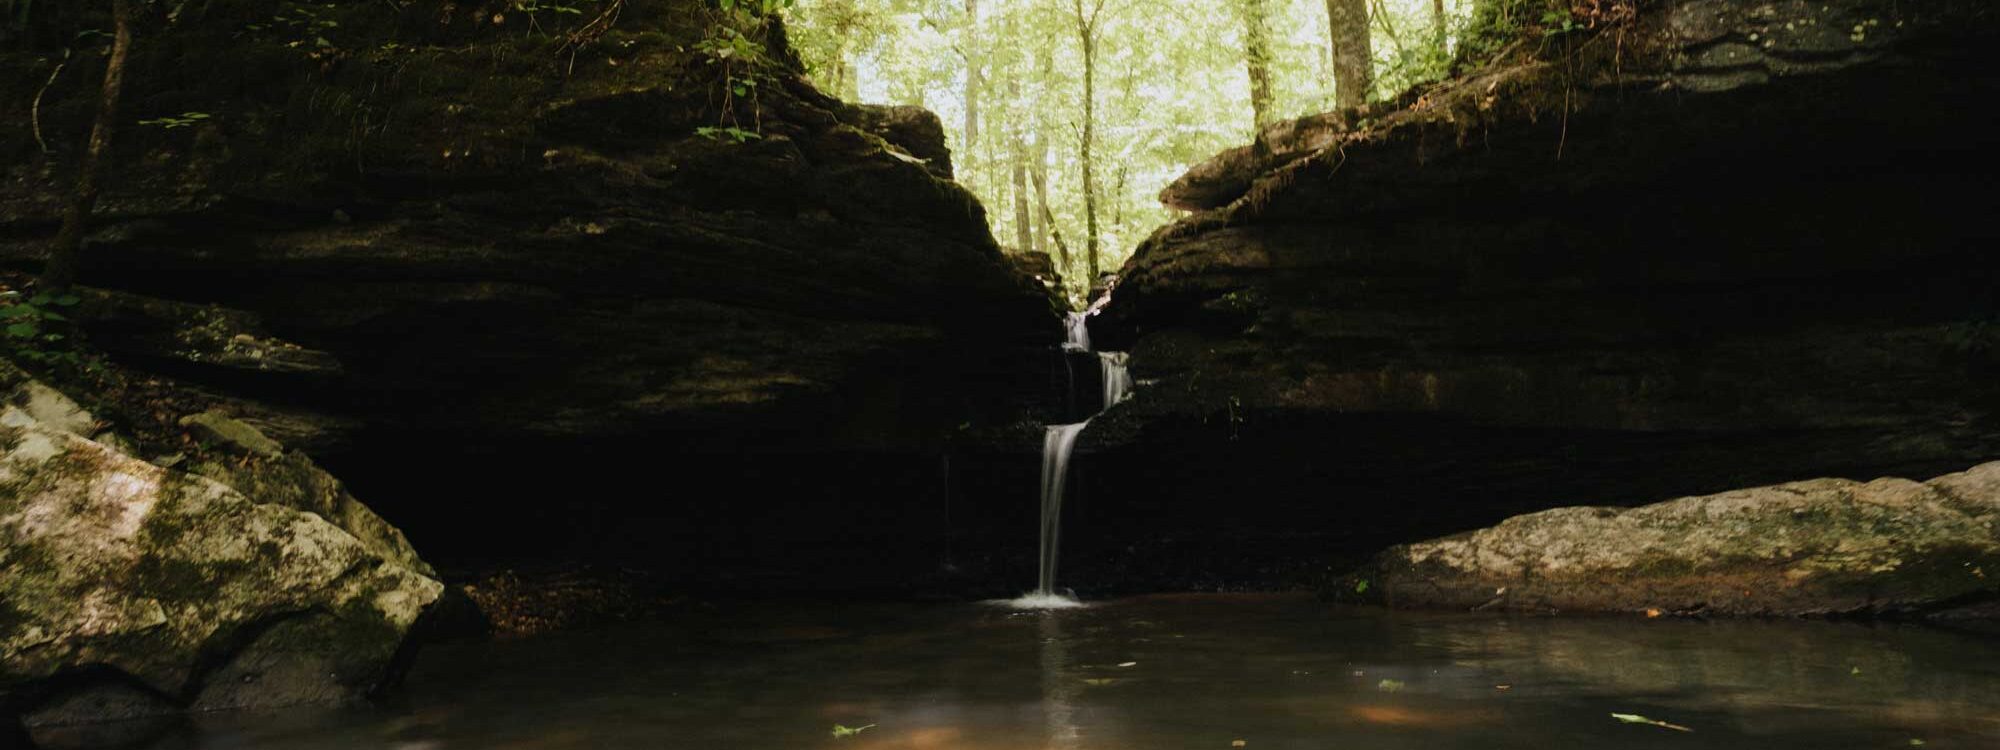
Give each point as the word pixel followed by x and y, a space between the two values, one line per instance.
pixel 1822 546
pixel 171 579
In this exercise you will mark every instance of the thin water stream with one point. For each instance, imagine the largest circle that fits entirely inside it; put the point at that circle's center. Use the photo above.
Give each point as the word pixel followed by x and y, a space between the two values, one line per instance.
pixel 1058 442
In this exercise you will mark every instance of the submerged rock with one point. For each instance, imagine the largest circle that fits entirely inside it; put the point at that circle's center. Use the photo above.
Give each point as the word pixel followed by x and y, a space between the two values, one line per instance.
pixel 131 589
pixel 1824 546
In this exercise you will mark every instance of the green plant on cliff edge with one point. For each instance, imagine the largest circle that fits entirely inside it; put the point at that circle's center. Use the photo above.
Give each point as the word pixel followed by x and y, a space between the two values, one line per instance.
pixel 745 63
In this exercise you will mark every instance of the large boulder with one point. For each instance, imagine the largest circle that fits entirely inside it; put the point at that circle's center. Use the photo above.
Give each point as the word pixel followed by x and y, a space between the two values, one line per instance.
pixel 132 589
pixel 1824 546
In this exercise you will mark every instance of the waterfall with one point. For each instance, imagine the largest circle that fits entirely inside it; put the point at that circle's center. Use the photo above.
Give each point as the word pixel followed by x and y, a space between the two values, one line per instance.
pixel 1058 441
pixel 1077 327
pixel 1117 379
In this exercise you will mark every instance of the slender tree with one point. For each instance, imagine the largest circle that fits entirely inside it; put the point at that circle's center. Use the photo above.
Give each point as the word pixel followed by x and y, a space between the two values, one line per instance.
pixel 1439 27
pixel 1353 59
pixel 1257 58
pixel 1024 224
pixel 66 255
pixel 1040 174
pixel 972 77
pixel 1087 16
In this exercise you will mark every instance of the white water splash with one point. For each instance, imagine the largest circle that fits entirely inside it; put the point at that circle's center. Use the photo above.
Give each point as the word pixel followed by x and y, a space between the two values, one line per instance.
pixel 1040 601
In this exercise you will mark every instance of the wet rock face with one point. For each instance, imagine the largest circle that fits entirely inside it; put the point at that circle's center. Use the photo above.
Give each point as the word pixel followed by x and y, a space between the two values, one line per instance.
pixel 133 589
pixel 1699 274
pixel 1824 546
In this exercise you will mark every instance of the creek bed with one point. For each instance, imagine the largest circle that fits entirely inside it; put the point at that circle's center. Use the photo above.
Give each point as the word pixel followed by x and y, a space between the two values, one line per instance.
pixel 1280 672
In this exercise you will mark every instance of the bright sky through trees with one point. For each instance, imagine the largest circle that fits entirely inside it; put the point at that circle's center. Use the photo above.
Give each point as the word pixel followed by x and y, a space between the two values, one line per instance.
pixel 1171 79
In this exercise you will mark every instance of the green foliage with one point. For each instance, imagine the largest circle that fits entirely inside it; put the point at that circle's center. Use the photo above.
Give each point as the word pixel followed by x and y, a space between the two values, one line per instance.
pixel 33 330
pixel 736 135
pixel 755 7
pixel 185 120
pixel 844 732
pixel 733 44
pixel 1559 20
pixel 1172 89
pixel 531 7
pixel 726 43
pixel 306 25
pixel 1637 719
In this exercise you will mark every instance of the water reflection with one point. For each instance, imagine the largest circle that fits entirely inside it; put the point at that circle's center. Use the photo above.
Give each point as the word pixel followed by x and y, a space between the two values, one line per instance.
pixel 1172 672
pixel 1059 687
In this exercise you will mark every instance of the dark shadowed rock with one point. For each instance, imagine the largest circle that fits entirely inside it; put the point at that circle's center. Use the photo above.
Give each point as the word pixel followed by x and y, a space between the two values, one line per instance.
pixel 535 266
pixel 913 131
pixel 1824 546
pixel 1727 244
pixel 632 253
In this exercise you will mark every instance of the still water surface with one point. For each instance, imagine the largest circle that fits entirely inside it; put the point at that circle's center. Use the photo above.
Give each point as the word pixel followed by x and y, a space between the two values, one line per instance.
pixel 1270 672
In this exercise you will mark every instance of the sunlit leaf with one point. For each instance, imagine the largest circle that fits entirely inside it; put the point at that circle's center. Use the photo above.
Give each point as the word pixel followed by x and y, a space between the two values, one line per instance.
pixel 843 732
pixel 1637 719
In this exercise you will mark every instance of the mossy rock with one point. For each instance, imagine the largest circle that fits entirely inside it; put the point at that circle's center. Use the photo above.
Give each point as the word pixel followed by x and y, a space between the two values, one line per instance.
pixel 162 579
pixel 1819 547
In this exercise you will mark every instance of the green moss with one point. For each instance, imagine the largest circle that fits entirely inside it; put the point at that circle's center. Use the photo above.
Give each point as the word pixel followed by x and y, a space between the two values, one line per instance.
pixel 12 620
pixel 362 627
pixel 350 630
pixel 166 526
pixel 169 578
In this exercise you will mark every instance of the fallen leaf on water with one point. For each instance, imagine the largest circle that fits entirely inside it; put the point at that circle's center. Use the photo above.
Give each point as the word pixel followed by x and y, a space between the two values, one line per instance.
pixel 840 732
pixel 1503 687
pixel 1239 743
pixel 1390 686
pixel 1098 681
pixel 1652 613
pixel 1637 719
pixel 1129 664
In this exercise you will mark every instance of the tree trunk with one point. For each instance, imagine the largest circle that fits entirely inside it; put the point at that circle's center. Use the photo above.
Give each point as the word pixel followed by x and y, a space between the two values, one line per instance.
pixel 1024 224
pixel 1086 32
pixel 844 83
pixel 1118 206
pixel 1353 60
pixel 1439 26
pixel 1257 58
pixel 1040 173
pixel 972 78
pixel 66 255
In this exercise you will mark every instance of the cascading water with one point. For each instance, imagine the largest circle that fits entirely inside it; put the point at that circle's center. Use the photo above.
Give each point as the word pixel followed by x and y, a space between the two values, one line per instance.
pixel 1117 378
pixel 1058 441
pixel 1077 327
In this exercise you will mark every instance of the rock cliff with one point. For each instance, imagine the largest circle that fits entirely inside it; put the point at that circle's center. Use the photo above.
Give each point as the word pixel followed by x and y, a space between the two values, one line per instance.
pixel 1721 244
